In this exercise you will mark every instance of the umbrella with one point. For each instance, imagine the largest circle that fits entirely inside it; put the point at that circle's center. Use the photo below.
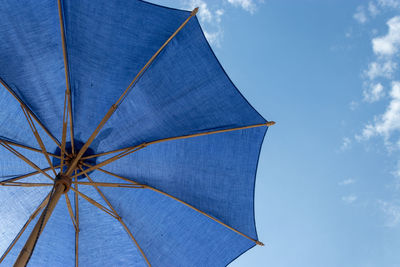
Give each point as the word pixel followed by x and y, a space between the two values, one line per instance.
pixel 123 141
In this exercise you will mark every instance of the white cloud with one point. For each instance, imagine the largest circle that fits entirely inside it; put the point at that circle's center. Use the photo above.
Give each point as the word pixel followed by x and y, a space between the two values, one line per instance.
pixel 389 44
pixel 389 122
pixel 382 73
pixel 392 212
pixel 247 5
pixel 373 93
pixel 347 182
pixel 346 143
pixel 349 199
pixel 386 125
pixel 381 69
pixel 360 15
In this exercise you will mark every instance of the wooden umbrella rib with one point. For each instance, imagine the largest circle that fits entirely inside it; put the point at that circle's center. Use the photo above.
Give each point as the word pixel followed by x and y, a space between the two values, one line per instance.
pixel 132 149
pixel 120 177
pixel 196 209
pixel 30 163
pixel 112 174
pixel 66 70
pixel 119 218
pixel 205 214
pixel 64 132
pixel 28 147
pixel 270 123
pixel 104 153
pixel 109 184
pixel 30 112
pixel 95 203
pixel 71 213
pixel 192 14
pixel 71 125
pixel 77 223
pixel 115 105
pixel 38 139
pixel 31 218
pixel 24 184
pixel 26 175
pixel 133 239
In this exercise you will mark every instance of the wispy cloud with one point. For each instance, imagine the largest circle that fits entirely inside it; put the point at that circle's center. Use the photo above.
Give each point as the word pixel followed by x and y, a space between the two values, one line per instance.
pixel 382 68
pixel 346 144
pixel 214 37
pixel 392 213
pixel 360 16
pixel 353 105
pixel 347 182
pixel 349 199
pixel 373 92
pixel 369 11
pixel 248 5
pixel 211 14
pixel 389 3
pixel 396 174
pixel 210 19
pixel 373 9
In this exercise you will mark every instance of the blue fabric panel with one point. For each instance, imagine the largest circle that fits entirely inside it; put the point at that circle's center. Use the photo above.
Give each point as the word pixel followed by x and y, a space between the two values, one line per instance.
pixel 172 234
pixel 108 43
pixel 215 173
pixel 31 60
pixel 185 91
pixel 13 124
pixel 13 255
pixel 11 165
pixel 102 240
pixel 16 206
pixel 14 127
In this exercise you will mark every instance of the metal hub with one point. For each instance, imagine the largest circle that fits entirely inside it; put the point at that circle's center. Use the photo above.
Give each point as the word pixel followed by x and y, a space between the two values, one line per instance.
pixel 64 180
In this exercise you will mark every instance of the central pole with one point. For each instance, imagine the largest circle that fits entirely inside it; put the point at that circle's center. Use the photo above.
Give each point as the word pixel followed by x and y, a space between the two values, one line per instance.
pixel 61 186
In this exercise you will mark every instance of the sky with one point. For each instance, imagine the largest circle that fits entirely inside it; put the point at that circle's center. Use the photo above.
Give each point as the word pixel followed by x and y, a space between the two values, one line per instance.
pixel 328 182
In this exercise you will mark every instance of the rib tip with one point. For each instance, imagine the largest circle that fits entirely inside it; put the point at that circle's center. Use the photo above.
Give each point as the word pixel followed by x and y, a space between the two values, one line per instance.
pixel 259 243
pixel 270 123
pixel 194 12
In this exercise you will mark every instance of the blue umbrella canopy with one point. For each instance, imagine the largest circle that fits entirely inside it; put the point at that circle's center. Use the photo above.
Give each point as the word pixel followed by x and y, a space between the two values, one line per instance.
pixel 123 141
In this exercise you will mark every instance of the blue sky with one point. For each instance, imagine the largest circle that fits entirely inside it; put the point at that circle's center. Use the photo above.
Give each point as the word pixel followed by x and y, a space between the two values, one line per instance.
pixel 328 184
